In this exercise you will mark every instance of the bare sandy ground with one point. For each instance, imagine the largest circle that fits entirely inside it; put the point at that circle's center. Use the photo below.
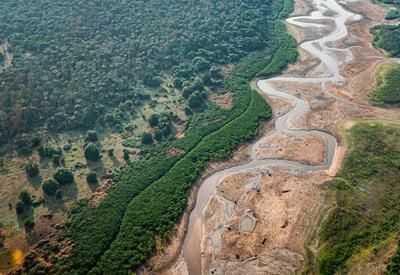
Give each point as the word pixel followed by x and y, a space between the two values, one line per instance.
pixel 307 149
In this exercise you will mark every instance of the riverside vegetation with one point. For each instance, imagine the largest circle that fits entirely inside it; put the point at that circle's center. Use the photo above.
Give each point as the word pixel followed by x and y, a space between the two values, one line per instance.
pixel 393 8
pixel 366 195
pixel 119 233
pixel 387 37
pixel 386 89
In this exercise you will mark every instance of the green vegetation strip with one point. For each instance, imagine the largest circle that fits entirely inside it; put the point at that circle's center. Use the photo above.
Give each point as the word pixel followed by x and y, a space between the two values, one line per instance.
pixel 94 228
pixel 155 211
pixel 366 216
pixel 387 37
pixel 387 85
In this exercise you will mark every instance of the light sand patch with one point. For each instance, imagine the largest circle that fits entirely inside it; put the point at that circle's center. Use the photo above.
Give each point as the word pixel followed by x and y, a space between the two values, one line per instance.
pixel 225 101
pixel 293 199
pixel 307 149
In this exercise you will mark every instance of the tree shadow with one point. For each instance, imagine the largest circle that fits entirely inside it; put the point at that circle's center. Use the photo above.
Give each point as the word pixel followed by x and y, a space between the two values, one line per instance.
pixel 28 214
pixel 93 186
pixel 24 216
pixel 31 237
pixel 53 204
pixel 35 181
pixel 97 166
pixel 115 161
pixel 69 191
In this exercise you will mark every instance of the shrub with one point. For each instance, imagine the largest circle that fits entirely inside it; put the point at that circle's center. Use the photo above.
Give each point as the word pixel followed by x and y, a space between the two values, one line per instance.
pixel 166 131
pixel 56 159
pixel 152 81
pixel 147 138
pixel 32 169
pixel 67 147
pixel 126 154
pixel 177 83
pixel 195 101
pixel 59 194
pixel 29 224
pixel 91 177
pixel 92 152
pixel 50 186
pixel 36 141
pixel 48 151
pixel 19 207
pixel 64 176
pixel 91 136
pixel 153 121
pixel 25 197
pixel 158 135
pixel 201 64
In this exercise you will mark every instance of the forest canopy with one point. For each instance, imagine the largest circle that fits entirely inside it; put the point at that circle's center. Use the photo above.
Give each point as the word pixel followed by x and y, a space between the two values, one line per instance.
pixel 387 37
pixel 80 63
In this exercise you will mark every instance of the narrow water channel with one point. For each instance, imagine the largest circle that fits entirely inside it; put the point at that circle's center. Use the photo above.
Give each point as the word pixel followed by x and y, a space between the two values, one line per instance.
pixel 320 48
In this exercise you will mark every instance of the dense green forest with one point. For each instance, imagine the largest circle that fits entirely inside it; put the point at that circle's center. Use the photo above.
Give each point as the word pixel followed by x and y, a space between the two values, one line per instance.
pixel 365 218
pixel 387 37
pixel 393 8
pixel 179 44
pixel 81 63
pixel 387 85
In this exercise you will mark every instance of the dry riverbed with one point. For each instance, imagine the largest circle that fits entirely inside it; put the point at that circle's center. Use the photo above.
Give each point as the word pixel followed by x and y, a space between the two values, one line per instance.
pixel 261 221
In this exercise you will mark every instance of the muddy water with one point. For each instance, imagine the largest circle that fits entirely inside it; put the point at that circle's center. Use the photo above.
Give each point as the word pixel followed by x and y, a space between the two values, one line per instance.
pixel 320 48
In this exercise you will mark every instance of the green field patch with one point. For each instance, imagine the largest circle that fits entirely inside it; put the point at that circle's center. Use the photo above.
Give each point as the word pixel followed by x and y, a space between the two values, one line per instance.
pixel 386 89
pixel 387 38
pixel 366 212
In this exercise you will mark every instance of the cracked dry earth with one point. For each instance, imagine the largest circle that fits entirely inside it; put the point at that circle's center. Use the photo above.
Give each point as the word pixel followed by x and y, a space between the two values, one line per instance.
pixel 259 217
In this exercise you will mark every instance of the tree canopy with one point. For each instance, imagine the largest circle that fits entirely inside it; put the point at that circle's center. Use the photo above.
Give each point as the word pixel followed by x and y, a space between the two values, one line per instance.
pixel 79 63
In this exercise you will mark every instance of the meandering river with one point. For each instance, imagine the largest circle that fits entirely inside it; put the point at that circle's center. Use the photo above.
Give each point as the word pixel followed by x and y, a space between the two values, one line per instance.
pixel 321 48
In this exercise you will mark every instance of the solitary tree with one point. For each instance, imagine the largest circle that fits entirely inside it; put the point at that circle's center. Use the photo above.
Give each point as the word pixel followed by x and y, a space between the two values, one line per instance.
pixel 92 152
pixel 63 176
pixel 59 194
pixel 91 136
pixel 195 101
pixel 158 135
pixel 19 207
pixel 147 138
pixel 25 197
pixel 29 224
pixel 56 159
pixel 91 177
pixel 153 120
pixel 126 154
pixel 50 186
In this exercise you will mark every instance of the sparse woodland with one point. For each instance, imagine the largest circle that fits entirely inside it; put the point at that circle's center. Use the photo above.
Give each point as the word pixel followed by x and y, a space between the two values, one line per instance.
pixel 81 64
